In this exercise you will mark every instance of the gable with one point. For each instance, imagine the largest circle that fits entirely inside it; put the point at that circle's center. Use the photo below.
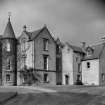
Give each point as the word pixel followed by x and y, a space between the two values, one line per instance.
pixel 23 36
pixel 66 49
pixel 97 50
pixel 45 34
pixel 102 54
pixel 75 48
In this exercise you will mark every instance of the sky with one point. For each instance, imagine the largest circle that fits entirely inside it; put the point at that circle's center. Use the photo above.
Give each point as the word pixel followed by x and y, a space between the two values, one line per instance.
pixel 73 21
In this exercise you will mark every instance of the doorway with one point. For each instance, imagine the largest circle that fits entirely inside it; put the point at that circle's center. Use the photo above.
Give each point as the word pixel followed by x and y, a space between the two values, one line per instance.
pixel 66 79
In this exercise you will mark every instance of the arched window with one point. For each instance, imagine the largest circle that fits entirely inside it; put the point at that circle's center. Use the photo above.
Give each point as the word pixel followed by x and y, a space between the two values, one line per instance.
pixel 24 45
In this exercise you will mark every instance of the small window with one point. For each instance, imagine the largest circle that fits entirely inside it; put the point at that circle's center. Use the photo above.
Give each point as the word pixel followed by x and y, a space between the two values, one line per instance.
pixel 8 77
pixel 103 76
pixel 45 77
pixel 88 64
pixel 45 44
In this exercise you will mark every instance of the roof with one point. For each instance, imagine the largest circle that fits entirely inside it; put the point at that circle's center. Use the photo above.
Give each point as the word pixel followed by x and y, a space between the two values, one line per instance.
pixel 75 48
pixel 97 49
pixel 8 32
pixel 34 34
pixel 0 36
pixel 58 42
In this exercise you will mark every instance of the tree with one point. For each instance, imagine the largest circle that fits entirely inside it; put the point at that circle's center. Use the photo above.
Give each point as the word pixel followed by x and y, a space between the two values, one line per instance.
pixel 30 76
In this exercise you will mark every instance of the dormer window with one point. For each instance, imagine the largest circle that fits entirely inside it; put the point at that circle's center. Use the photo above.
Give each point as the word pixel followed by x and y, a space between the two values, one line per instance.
pixel 89 51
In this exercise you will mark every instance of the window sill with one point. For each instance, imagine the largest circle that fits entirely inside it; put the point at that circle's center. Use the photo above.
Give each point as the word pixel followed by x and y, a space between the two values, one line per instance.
pixel 45 50
pixel 46 81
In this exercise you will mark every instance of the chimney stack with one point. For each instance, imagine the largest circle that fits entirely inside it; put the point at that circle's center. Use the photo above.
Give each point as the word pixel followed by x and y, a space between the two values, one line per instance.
pixel 24 28
pixel 83 46
pixel 103 40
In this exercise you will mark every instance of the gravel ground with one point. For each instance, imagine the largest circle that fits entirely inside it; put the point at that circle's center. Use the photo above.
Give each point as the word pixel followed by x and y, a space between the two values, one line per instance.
pixel 53 95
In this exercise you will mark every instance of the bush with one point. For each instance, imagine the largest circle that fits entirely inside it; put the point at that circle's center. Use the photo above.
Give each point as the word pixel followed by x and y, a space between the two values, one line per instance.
pixel 30 77
pixel 78 82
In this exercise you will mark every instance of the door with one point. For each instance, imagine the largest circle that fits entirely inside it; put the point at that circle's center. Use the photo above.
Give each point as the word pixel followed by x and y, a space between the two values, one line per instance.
pixel 66 79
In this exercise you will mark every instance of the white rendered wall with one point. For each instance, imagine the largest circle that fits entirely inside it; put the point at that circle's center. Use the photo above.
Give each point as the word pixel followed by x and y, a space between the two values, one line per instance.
pixel 67 64
pixel 90 75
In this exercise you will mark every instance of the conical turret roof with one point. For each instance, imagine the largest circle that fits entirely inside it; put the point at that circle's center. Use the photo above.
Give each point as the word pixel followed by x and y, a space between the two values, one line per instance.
pixel 9 32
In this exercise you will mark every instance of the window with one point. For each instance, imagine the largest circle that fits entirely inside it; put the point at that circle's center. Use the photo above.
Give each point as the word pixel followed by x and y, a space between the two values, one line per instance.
pixel 78 78
pixel 45 57
pixel 45 77
pixel 58 49
pixel 103 76
pixel 45 44
pixel 58 63
pixel 88 64
pixel 24 44
pixel 8 64
pixel 79 67
pixel 8 46
pixel 8 77
pixel 66 79
pixel 77 59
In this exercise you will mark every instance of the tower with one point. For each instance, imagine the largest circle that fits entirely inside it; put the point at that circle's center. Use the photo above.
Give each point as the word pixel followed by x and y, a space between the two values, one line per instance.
pixel 9 42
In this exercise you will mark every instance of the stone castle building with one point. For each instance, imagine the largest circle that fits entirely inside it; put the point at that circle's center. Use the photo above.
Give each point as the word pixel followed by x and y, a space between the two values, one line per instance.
pixel 40 56
pixel 32 50
pixel 8 56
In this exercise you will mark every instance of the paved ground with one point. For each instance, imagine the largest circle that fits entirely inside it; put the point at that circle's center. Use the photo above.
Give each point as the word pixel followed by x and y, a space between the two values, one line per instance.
pixel 25 89
pixel 42 89
pixel 94 90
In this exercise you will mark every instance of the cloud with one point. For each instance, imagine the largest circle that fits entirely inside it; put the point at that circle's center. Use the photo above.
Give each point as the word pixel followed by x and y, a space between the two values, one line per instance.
pixel 71 20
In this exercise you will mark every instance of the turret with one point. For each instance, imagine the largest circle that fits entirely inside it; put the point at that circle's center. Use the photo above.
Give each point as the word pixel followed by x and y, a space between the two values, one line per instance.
pixel 9 55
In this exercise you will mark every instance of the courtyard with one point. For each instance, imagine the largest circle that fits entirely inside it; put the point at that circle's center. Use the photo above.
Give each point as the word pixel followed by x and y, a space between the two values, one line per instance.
pixel 52 95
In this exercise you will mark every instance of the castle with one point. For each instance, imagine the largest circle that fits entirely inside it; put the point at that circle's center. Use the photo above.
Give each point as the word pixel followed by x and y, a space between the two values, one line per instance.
pixel 34 50
pixel 38 54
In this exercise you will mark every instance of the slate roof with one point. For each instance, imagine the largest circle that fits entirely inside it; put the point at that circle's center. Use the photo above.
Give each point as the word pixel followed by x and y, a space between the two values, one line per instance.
pixel 32 35
pixel 75 48
pixel 8 32
pixel 97 50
